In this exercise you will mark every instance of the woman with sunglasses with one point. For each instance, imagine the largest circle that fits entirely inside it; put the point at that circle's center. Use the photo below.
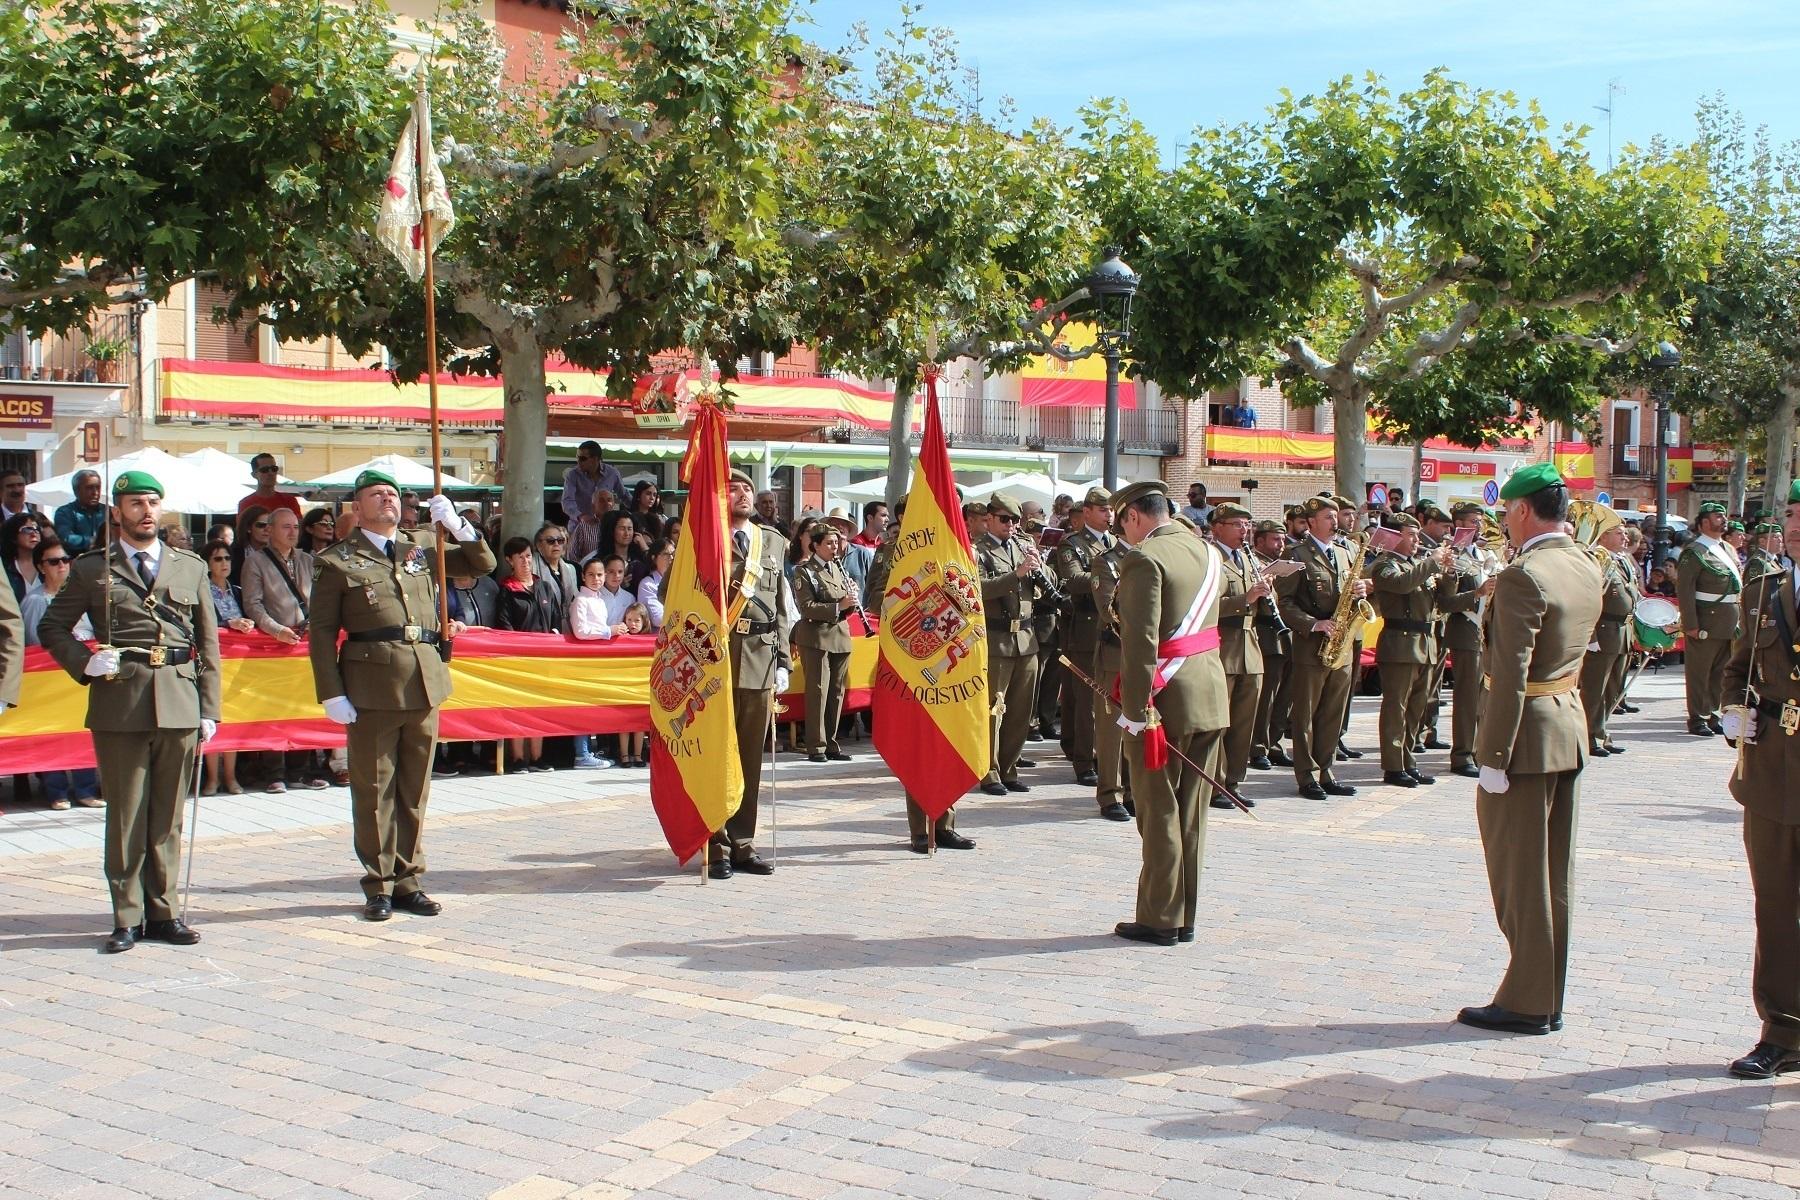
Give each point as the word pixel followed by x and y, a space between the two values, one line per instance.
pixel 228 605
pixel 252 534
pixel 318 529
pixel 18 541
pixel 52 559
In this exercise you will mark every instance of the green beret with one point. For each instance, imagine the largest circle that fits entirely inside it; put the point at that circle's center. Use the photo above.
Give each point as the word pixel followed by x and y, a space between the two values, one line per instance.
pixel 1227 512
pixel 1125 497
pixel 1734 527
pixel 368 479
pixel 1711 507
pixel 1341 503
pixel 1528 481
pixel 1766 527
pixel 1001 504
pixel 1317 504
pixel 1466 508
pixel 974 508
pixel 1400 520
pixel 1794 492
pixel 1263 527
pixel 738 476
pixel 136 483
pixel 1097 497
pixel 1428 511
pixel 1292 511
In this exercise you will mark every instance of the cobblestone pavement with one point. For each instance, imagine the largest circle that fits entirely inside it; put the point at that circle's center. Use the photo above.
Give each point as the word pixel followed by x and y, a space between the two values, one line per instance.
pixel 586 1020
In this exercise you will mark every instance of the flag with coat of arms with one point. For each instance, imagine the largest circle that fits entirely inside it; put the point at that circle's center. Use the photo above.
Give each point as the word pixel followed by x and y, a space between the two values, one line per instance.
pixel 406 198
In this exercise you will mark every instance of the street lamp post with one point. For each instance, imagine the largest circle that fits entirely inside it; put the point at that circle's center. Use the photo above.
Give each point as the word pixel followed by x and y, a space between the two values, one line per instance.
pixel 1663 362
pixel 1112 284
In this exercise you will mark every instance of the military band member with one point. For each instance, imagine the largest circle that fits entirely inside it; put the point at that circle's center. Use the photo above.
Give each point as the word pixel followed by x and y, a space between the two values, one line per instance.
pixel 1007 566
pixel 1765 549
pixel 1434 531
pixel 1276 641
pixel 1047 622
pixel 377 587
pixel 1603 672
pixel 153 700
pixel 1708 581
pixel 1240 651
pixel 1113 792
pixel 1530 748
pixel 1348 529
pixel 1762 691
pixel 1170 673
pixel 1477 569
pixel 1074 566
pixel 826 601
pixel 1294 515
pixel 1405 588
pixel 1308 601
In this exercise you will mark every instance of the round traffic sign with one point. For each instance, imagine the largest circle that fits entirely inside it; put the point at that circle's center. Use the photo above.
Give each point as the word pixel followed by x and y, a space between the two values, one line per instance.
pixel 1490 493
pixel 1378 495
pixel 1603 498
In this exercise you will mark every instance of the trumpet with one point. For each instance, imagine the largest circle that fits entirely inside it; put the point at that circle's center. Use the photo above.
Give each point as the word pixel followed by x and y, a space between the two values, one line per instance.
pixel 1259 579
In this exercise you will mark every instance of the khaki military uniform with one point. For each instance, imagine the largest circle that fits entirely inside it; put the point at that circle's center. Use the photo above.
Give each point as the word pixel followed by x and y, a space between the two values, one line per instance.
pixel 875 586
pixel 1462 633
pixel 1158 584
pixel 1012 649
pixel 824 637
pixel 145 721
pixel 392 671
pixel 758 646
pixel 12 648
pixel 1276 642
pixel 1320 695
pixel 1603 672
pixel 1407 651
pixel 1114 786
pixel 1240 654
pixel 1047 623
pixel 1533 727
pixel 1707 584
pixel 1766 788
pixel 1074 566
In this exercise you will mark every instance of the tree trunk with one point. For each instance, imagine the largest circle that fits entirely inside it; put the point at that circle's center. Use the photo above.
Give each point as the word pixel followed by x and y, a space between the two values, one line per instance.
pixel 1779 471
pixel 527 429
pixel 1350 417
pixel 1418 469
pixel 900 454
pixel 1740 475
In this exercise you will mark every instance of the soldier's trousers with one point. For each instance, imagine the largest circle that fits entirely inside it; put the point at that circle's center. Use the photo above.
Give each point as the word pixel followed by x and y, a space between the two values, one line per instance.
pixel 1704 668
pixel 1602 682
pixel 1774 853
pixel 751 707
pixel 1321 696
pixel 1272 703
pixel 1465 705
pixel 1014 685
pixel 916 824
pixel 1109 742
pixel 1402 708
pixel 827 675
pixel 1078 727
pixel 1434 699
pixel 390 780
pixel 145 778
pixel 1171 819
pixel 1242 692
pixel 1528 838
pixel 1048 690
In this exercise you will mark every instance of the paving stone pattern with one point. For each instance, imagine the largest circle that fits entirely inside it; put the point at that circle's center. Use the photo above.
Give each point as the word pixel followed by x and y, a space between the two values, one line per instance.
pixel 586 1020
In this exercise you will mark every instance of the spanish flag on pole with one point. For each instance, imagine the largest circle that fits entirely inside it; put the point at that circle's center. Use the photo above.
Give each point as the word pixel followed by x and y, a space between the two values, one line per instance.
pixel 695 780
pixel 931 686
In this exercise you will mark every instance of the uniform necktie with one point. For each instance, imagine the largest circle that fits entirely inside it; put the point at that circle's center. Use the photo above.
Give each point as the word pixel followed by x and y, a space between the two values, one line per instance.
pixel 741 539
pixel 390 550
pixel 145 571
pixel 1237 560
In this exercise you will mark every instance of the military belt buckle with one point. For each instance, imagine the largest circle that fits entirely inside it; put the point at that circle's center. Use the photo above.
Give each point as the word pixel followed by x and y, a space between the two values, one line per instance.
pixel 159 656
pixel 412 633
pixel 742 626
pixel 1790 718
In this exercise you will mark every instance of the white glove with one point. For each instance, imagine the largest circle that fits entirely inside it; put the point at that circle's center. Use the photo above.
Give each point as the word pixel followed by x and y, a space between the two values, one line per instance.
pixel 1131 726
pixel 781 681
pixel 104 662
pixel 444 513
pixel 1593 647
pixel 340 710
pixel 1493 781
pixel 1740 724
pixel 2 708
pixel 208 727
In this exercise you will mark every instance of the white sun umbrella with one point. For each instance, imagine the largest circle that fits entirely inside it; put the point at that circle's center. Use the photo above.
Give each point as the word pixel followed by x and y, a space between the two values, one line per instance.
pixel 404 471
pixel 857 493
pixel 1022 485
pixel 187 488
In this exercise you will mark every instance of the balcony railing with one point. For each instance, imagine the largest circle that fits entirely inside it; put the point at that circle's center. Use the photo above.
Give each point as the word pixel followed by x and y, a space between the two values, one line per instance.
pixel 65 358
pixel 1629 459
pixel 975 421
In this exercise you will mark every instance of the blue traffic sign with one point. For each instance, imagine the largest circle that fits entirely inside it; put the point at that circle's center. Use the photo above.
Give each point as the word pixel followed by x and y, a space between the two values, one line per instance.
pixel 1490 493
pixel 1378 495
pixel 1603 498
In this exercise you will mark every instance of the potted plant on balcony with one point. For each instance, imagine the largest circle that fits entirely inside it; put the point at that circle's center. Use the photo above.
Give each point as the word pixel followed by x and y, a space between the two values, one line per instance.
pixel 105 353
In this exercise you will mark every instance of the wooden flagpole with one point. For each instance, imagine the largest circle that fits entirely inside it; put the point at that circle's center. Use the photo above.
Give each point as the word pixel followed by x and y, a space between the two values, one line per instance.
pixel 422 147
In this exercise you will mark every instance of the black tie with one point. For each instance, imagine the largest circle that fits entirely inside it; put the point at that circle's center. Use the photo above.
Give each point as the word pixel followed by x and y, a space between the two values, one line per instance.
pixel 390 550
pixel 741 539
pixel 143 568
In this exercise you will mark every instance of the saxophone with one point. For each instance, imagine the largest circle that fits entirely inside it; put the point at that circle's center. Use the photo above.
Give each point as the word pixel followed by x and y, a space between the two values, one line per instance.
pixel 1351 613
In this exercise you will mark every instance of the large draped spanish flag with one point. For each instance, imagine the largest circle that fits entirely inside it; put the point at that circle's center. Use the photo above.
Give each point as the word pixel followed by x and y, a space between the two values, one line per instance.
pixel 931 684
pixel 695 780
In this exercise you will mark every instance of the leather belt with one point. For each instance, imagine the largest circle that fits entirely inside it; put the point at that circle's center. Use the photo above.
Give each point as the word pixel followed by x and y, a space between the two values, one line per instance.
pixel 749 628
pixel 1267 623
pixel 1236 622
pixel 1543 687
pixel 409 634
pixel 160 656
pixel 1005 626
pixel 1406 625
pixel 1606 620
pixel 1716 597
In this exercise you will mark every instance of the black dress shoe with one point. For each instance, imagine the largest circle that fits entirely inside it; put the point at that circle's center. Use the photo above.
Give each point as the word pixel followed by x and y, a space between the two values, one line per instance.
pixel 1051 732
pixel 1503 1020
pixel 418 904
pixel 1131 931
pixel 1027 763
pixel 719 868
pixel 1627 709
pixel 1349 753
pixel 378 909
pixel 1220 802
pixel 1185 934
pixel 1699 729
pixel 174 932
pixel 1280 758
pixel 996 788
pixel 1419 777
pixel 1614 748
pixel 1715 726
pixel 1342 755
pixel 1466 770
pixel 1596 750
pixel 1433 742
pixel 1262 762
pixel 1334 788
pixel 752 864
pixel 1311 791
pixel 1013 785
pixel 1399 779
pixel 818 758
pixel 1766 1061
pixel 1034 736
pixel 921 846
pixel 949 839
pixel 1088 778
pixel 122 939
pixel 1115 812
pixel 837 756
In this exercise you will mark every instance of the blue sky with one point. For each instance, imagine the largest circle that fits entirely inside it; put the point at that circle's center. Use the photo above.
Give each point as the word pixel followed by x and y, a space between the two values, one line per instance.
pixel 1182 63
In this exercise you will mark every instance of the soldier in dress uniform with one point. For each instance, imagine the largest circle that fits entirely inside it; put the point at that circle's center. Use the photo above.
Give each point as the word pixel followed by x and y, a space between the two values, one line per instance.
pixel 1603 672
pixel 1349 528
pixel 1007 567
pixel 1406 589
pixel 1240 651
pixel 1765 549
pixel 1169 674
pixel 1047 619
pixel 826 600
pixel 1475 575
pixel 1294 515
pixel 153 701
pixel 1113 791
pixel 1531 748
pixel 1708 581
pixel 1434 531
pixel 378 588
pixel 1308 600
pixel 1762 693
pixel 1276 641
pixel 1074 565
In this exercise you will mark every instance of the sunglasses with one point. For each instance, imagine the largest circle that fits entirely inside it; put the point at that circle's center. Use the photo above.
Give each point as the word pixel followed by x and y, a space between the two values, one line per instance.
pixel 1006 520
pixel 260 525
pixel 553 541
pixel 33 530
pixel 220 558
pixel 59 561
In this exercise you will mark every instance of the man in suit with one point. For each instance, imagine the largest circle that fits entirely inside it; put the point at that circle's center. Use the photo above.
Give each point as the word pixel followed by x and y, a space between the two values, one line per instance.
pixel 377 588
pixel 1405 581
pixel 1762 691
pixel 1169 677
pixel 1276 641
pixel 1476 572
pixel 1530 748
pixel 153 700
pixel 1074 564
pixel 1113 791
pixel 1007 568
pixel 1707 582
pixel 1240 652
pixel 1603 672
pixel 1308 601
